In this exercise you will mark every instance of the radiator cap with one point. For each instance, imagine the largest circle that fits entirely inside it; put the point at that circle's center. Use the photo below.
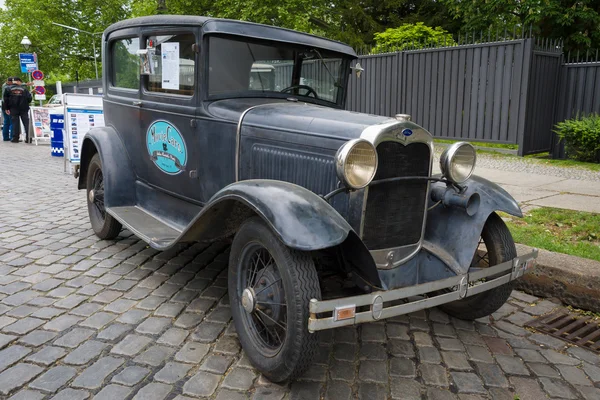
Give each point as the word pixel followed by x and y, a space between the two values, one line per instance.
pixel 402 117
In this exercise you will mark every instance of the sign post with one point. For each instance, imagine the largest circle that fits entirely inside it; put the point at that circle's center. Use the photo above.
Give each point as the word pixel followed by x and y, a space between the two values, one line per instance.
pixel 38 82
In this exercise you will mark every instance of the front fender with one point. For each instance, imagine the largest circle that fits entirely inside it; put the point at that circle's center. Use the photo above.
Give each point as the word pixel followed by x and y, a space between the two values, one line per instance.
pixel 300 218
pixel 118 174
pixel 453 235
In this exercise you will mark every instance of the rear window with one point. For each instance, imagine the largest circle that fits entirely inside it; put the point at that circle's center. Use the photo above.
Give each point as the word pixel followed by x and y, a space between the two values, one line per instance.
pixel 126 71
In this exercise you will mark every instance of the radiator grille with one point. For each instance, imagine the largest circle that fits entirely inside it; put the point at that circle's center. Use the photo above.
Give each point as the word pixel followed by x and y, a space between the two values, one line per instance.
pixel 395 210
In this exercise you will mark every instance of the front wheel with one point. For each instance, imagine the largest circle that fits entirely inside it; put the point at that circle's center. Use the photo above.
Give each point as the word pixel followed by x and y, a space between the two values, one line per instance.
pixel 270 287
pixel 495 247
pixel 103 224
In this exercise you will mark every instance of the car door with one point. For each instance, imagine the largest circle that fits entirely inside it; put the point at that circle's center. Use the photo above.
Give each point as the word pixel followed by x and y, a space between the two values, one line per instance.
pixel 120 102
pixel 168 138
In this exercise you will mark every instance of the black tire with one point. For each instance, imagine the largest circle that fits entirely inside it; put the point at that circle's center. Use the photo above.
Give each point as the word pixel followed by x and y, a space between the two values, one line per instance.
pixel 274 334
pixel 103 224
pixel 500 247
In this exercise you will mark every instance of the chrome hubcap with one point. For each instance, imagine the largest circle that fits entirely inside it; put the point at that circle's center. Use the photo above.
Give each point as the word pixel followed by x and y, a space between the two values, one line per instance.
pixel 91 196
pixel 248 300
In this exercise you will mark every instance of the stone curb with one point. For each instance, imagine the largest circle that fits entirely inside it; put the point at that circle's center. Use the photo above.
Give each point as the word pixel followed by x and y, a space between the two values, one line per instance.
pixel 573 280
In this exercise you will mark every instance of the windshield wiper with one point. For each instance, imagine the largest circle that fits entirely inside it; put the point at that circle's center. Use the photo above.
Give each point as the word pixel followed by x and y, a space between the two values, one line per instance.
pixel 336 83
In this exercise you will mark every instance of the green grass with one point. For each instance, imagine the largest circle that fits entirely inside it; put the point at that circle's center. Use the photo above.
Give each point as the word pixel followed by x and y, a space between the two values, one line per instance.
pixel 542 158
pixel 545 159
pixel 481 144
pixel 564 231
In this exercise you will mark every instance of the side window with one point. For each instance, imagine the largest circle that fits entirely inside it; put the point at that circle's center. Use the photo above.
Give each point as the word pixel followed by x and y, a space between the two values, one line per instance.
pixel 125 61
pixel 173 65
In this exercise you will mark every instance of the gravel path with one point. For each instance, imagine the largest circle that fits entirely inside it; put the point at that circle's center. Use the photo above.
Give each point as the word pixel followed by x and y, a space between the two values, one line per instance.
pixel 519 164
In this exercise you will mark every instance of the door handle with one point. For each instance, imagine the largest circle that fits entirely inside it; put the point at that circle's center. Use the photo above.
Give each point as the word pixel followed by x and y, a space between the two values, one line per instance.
pixel 137 103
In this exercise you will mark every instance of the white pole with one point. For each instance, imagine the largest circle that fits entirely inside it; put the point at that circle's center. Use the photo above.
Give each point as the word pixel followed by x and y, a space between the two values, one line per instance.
pixel 95 60
pixel 58 87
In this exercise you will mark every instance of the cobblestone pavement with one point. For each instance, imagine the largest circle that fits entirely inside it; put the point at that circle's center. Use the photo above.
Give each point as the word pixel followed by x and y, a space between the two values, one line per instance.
pixel 84 318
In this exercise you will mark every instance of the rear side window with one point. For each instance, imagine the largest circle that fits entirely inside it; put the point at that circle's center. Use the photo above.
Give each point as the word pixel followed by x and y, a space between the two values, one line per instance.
pixel 126 61
pixel 173 64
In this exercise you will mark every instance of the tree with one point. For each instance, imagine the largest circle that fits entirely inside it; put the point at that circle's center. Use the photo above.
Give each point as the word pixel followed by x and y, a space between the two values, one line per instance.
pixel 411 35
pixel 350 21
pixel 577 22
pixel 60 51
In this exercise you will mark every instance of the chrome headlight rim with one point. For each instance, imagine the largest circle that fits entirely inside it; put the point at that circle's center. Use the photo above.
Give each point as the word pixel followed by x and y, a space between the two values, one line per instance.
pixel 447 158
pixel 341 158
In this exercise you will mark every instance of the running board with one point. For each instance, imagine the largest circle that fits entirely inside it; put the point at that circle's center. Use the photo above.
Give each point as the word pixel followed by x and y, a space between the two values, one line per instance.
pixel 145 226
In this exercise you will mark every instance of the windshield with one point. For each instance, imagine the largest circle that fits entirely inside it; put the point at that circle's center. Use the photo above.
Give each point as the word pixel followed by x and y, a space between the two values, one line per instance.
pixel 55 99
pixel 242 68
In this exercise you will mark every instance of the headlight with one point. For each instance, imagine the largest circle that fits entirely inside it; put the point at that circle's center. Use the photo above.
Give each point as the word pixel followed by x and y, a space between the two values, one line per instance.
pixel 458 162
pixel 356 163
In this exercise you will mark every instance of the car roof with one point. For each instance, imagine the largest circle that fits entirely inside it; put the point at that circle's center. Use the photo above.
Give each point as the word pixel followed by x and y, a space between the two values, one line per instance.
pixel 232 27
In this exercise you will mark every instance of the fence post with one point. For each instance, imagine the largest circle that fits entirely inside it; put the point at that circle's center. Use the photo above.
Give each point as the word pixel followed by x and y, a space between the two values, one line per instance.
pixel 524 98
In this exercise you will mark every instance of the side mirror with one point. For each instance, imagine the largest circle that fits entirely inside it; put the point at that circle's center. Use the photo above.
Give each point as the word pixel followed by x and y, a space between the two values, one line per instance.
pixel 357 69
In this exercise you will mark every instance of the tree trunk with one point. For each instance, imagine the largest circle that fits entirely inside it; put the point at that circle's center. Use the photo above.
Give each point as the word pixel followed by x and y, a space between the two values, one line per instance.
pixel 161 6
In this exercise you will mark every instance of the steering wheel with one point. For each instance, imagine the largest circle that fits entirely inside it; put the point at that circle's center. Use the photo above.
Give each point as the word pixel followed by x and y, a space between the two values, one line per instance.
pixel 308 89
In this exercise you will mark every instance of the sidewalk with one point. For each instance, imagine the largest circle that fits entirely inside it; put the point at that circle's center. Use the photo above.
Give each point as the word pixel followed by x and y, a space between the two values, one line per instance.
pixel 547 191
pixel 537 189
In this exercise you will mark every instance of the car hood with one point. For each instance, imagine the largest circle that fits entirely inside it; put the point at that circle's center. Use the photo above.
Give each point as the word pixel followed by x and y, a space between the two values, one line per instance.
pixel 303 118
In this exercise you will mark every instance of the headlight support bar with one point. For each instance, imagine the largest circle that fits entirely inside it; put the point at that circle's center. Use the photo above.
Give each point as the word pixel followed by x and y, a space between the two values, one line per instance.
pixel 337 191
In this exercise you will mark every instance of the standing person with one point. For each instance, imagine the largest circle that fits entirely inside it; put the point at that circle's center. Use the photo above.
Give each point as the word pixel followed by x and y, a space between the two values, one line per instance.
pixel 17 99
pixel 6 120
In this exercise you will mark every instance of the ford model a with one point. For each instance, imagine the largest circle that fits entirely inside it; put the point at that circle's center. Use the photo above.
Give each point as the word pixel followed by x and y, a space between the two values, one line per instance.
pixel 225 130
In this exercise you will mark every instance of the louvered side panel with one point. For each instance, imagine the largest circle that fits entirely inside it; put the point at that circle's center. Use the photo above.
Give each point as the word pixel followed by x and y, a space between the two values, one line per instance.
pixel 315 172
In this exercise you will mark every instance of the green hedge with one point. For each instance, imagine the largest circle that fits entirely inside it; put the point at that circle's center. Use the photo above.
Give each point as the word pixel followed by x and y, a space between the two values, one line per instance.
pixel 581 137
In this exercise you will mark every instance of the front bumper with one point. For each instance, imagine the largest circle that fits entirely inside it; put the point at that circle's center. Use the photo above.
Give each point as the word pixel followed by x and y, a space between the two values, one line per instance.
pixel 459 287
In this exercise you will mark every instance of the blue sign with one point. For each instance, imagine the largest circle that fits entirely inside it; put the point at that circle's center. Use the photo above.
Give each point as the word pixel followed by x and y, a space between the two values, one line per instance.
pixel 28 62
pixel 407 132
pixel 166 147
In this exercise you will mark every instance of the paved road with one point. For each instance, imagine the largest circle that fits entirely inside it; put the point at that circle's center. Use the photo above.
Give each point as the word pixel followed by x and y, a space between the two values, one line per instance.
pixel 83 318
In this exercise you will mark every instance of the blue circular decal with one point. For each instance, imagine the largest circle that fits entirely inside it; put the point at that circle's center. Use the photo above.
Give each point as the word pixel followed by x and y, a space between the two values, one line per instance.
pixel 166 147
pixel 407 132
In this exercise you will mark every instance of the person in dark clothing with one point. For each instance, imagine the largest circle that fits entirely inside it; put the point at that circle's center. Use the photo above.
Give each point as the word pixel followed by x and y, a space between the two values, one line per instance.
pixel 6 123
pixel 16 103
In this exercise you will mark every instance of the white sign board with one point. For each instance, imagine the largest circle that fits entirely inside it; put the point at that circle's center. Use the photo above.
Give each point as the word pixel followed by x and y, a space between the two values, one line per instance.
pixel 82 113
pixel 40 118
pixel 170 65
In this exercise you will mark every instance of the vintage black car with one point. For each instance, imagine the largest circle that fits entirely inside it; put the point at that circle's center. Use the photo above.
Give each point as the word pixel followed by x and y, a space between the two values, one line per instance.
pixel 228 130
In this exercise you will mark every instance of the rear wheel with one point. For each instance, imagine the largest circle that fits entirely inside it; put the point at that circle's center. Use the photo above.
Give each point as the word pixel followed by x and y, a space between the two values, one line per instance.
pixel 496 246
pixel 103 224
pixel 270 287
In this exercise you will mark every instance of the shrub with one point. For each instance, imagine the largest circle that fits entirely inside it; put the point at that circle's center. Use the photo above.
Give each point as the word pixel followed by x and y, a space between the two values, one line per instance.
pixel 581 137
pixel 411 35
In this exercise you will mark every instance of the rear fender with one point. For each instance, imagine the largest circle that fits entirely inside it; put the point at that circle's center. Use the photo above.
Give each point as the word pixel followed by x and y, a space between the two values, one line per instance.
pixel 453 235
pixel 119 177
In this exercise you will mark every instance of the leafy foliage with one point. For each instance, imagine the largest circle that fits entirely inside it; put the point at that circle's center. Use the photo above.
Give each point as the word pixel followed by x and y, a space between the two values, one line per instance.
pixel 575 21
pixel 411 35
pixel 351 21
pixel 582 137
pixel 60 51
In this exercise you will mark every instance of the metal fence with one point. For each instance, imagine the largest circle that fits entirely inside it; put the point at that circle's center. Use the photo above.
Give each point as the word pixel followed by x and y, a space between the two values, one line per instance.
pixel 501 92
pixel 579 89
pixel 510 91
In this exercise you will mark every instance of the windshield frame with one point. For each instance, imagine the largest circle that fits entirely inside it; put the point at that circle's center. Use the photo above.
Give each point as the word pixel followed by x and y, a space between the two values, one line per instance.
pixel 343 78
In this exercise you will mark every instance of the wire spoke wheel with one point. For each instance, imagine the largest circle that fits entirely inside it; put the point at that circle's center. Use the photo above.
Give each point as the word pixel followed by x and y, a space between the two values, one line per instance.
pixel 97 196
pixel 103 224
pixel 495 246
pixel 270 288
pixel 263 297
